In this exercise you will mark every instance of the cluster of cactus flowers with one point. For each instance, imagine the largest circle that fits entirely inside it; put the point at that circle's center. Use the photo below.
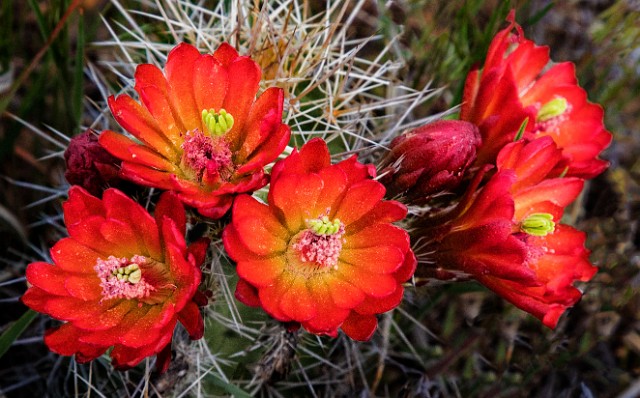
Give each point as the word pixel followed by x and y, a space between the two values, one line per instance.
pixel 321 251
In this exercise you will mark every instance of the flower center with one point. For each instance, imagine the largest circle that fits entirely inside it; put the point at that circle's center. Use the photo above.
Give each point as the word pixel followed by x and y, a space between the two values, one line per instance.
pixel 218 123
pixel 207 155
pixel 552 113
pixel 538 224
pixel 122 278
pixel 321 243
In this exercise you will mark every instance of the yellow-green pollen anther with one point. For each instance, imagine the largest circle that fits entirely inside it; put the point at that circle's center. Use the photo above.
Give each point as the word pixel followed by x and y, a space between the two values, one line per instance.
pixel 323 226
pixel 131 273
pixel 551 109
pixel 218 123
pixel 538 224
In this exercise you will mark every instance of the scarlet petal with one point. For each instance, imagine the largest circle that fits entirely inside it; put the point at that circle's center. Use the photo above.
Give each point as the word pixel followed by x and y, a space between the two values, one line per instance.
pixel 121 235
pixel 81 205
pixel 387 211
pixel 179 70
pixel 137 120
pixel 169 206
pixel 143 155
pixel 270 297
pixel 268 151
pixel 312 157
pixel 110 316
pixel 334 186
pixel 247 294
pixel 261 272
pixel 375 259
pixel 329 318
pixel 297 302
pixel 160 108
pixel 264 120
pixel 146 176
pixel 198 250
pixel 225 54
pixel 372 306
pixel 296 196
pixel 359 200
pixel 70 309
pixel 47 277
pixel 64 341
pixel 36 299
pixel 407 269
pixel 375 285
pixel 116 144
pixel 84 287
pixel 257 238
pixel 210 83
pixel 359 327
pixel 234 246
pixel 163 359
pixel 148 327
pixel 372 235
pixel 246 206
pixel 191 319
pixel 244 79
pixel 344 294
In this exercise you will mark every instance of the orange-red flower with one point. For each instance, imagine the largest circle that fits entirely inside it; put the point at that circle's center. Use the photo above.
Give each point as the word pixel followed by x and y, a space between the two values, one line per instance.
pixel 515 86
pixel 323 251
pixel 122 279
pixel 202 132
pixel 507 235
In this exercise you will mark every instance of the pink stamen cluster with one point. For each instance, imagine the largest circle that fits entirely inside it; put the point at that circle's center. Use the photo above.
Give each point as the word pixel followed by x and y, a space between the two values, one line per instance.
pixel 204 153
pixel 112 287
pixel 323 249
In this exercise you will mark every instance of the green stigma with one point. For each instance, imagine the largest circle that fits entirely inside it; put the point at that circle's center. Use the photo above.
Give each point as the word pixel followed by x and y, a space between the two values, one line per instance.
pixel 551 109
pixel 323 226
pixel 538 224
pixel 131 273
pixel 217 123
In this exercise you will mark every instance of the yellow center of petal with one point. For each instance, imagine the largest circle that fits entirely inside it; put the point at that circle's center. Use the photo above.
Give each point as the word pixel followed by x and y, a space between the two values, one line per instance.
pixel 554 108
pixel 538 224
pixel 217 123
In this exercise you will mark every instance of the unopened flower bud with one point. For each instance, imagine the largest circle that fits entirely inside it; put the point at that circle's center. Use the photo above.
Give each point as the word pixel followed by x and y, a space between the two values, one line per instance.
pixel 89 165
pixel 430 159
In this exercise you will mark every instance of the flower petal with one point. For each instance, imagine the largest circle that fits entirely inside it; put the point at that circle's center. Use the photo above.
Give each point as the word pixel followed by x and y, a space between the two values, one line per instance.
pixel 191 319
pixel 179 71
pixel 360 199
pixel 360 327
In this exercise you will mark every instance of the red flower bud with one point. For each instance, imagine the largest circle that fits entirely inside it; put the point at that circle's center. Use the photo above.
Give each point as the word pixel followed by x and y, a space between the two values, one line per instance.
pixel 430 159
pixel 89 165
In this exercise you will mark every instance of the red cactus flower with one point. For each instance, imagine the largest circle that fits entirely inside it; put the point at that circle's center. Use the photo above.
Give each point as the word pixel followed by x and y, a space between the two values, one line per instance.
pixel 507 235
pixel 90 165
pixel 203 133
pixel 430 159
pixel 323 251
pixel 122 279
pixel 515 87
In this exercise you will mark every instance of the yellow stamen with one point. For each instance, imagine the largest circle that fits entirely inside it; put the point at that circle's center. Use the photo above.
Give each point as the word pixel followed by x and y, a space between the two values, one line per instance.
pixel 551 109
pixel 323 226
pixel 538 224
pixel 218 123
pixel 131 273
